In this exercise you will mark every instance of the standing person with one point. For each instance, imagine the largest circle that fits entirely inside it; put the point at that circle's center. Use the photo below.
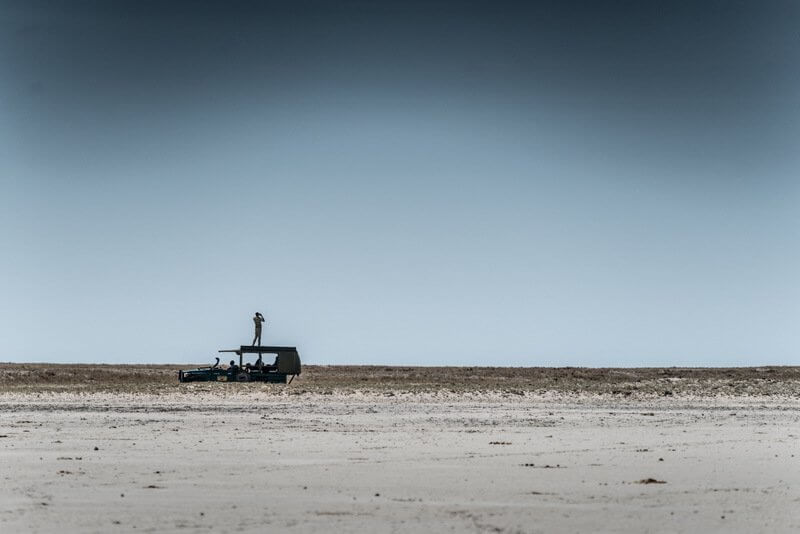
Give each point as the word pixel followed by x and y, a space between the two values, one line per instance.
pixel 257 319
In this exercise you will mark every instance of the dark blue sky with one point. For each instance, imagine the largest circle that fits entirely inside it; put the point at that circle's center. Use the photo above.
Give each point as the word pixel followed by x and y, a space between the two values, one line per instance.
pixel 575 183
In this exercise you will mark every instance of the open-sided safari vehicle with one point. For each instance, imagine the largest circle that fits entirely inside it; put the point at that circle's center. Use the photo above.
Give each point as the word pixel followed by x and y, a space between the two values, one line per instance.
pixel 287 362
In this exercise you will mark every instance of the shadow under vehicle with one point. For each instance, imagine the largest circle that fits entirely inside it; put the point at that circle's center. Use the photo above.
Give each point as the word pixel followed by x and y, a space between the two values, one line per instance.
pixel 287 363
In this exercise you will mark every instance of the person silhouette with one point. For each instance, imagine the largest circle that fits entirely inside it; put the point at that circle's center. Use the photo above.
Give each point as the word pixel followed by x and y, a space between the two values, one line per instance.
pixel 257 319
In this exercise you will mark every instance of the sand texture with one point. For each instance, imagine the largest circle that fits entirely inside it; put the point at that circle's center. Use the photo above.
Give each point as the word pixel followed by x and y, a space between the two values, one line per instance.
pixel 381 449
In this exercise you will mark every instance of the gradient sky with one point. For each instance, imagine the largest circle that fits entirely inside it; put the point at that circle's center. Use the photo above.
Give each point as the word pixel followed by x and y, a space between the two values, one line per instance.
pixel 545 183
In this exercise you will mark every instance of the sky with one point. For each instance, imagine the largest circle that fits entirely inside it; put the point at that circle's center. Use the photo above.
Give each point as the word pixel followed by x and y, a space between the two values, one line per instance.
pixel 410 183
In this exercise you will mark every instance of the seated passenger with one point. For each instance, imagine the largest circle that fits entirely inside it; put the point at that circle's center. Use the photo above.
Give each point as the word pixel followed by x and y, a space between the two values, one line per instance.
pixel 233 369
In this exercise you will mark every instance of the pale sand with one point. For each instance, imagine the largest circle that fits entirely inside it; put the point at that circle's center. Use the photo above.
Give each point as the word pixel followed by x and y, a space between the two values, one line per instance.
pixel 218 458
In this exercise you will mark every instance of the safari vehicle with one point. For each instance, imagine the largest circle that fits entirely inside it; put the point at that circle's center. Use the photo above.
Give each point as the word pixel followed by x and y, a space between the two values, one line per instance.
pixel 287 362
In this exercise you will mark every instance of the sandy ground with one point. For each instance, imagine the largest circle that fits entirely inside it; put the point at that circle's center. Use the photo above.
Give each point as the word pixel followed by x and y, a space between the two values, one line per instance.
pixel 397 454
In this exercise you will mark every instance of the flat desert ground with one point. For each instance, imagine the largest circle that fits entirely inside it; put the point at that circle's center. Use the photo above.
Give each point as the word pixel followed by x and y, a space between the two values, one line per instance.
pixel 104 448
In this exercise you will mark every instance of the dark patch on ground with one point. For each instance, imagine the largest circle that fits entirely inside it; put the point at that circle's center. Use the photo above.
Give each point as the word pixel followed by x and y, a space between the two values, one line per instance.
pixel 156 379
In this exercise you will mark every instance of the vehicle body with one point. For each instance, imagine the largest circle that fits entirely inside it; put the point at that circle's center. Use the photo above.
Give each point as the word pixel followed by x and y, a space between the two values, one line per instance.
pixel 286 363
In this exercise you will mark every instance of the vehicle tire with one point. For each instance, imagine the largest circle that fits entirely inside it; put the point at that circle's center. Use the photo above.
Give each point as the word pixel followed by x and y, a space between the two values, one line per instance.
pixel 243 377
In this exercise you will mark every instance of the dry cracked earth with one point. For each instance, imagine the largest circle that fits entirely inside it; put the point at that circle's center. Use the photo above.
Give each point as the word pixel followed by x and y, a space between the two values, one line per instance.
pixel 121 448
